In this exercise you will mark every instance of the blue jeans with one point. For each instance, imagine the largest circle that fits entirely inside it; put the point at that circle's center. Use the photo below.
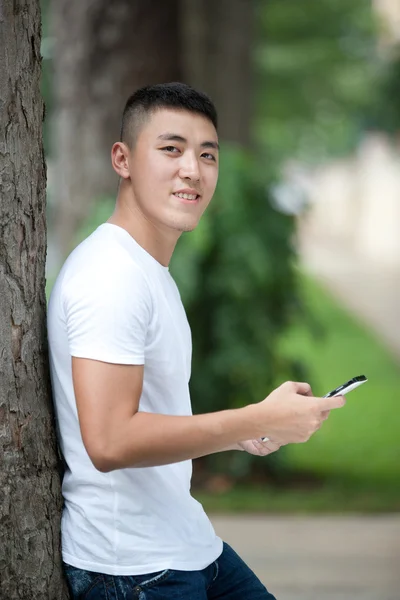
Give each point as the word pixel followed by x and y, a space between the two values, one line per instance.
pixel 228 577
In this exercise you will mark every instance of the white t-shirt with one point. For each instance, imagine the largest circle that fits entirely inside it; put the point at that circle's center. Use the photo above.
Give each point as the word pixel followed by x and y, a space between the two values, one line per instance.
pixel 114 302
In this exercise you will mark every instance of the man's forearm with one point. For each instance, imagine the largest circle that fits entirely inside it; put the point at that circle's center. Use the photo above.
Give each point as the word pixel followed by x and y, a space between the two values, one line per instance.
pixel 149 439
pixel 231 447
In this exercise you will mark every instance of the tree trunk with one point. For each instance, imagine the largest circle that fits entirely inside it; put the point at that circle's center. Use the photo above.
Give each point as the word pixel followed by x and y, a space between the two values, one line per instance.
pixel 218 37
pixel 104 51
pixel 30 500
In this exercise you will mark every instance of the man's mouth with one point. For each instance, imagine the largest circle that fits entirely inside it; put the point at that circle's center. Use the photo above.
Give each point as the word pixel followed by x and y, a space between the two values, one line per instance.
pixel 185 196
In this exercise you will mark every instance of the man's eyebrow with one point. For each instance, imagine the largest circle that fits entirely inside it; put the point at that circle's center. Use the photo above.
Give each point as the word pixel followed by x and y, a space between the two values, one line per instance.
pixel 214 145
pixel 174 137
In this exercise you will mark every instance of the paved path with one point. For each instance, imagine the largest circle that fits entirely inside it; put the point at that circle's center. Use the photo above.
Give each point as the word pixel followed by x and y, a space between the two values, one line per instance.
pixel 370 290
pixel 320 558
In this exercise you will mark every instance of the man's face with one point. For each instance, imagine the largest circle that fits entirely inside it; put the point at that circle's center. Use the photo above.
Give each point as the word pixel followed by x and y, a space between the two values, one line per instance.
pixel 173 168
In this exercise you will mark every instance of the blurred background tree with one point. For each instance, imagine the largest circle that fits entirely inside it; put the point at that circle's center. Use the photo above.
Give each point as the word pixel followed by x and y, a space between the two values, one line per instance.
pixel 317 61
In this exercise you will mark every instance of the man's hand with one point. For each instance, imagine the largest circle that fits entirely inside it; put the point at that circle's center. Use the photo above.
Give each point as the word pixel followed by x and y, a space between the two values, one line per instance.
pixel 291 414
pixel 259 448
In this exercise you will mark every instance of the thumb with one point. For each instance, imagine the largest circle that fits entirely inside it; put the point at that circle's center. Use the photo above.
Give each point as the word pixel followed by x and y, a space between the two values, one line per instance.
pixel 333 402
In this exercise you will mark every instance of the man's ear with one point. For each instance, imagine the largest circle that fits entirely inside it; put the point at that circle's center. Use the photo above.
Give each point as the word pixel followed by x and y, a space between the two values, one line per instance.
pixel 120 159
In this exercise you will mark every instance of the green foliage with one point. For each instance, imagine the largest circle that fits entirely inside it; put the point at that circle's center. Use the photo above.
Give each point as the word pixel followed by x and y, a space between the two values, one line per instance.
pixel 316 64
pixel 101 210
pixel 384 114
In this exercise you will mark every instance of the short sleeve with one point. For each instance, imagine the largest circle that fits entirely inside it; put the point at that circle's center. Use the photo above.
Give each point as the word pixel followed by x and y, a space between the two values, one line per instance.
pixel 107 312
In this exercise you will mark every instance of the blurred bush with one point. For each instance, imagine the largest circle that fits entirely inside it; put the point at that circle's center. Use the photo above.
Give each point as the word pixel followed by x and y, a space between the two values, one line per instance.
pixel 384 114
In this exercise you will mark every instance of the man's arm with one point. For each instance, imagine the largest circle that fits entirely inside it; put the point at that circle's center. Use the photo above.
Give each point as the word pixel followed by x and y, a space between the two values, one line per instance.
pixel 256 447
pixel 117 436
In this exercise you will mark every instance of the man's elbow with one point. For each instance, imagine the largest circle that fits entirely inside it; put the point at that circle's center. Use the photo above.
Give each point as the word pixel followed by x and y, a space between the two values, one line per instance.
pixel 102 458
pixel 101 461
pixel 106 459
pixel 102 464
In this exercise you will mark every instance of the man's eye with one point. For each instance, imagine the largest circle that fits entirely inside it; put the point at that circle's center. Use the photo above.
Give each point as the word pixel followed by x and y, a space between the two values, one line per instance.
pixel 208 156
pixel 170 149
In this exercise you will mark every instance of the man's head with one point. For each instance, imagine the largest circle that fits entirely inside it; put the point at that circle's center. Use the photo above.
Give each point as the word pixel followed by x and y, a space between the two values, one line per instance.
pixel 147 100
pixel 168 154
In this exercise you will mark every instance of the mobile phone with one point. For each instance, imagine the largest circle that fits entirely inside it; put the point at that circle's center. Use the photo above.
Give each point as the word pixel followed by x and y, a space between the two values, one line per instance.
pixel 350 385
pixel 347 387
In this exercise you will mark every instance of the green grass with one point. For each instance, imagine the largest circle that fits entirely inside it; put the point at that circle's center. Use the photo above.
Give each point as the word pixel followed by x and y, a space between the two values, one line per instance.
pixel 362 440
pixel 335 496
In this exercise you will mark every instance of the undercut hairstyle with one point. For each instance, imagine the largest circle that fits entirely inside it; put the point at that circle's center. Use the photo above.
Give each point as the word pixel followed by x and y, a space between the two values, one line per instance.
pixel 147 100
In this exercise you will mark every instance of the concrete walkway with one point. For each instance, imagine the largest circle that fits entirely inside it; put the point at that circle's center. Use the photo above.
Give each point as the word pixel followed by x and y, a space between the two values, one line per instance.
pixel 320 558
pixel 371 291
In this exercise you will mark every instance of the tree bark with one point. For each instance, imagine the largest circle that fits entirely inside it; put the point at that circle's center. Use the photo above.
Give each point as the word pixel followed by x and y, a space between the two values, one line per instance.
pixel 104 51
pixel 30 500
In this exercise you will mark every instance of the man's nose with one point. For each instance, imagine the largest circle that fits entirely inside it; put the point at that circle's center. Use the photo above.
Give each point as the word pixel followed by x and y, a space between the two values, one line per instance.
pixel 190 168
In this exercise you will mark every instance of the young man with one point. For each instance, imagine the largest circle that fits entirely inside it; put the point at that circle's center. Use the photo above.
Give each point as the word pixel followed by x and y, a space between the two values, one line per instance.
pixel 120 352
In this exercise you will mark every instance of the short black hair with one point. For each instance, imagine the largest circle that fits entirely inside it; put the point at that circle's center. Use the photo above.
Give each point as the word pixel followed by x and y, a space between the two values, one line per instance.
pixel 146 100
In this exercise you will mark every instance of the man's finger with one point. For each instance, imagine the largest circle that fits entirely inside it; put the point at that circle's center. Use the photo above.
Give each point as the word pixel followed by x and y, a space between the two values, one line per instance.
pixel 272 446
pixel 303 388
pixel 334 402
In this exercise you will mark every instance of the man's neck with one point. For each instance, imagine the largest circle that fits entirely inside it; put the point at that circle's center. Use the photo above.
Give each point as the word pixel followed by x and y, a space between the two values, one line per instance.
pixel 153 239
